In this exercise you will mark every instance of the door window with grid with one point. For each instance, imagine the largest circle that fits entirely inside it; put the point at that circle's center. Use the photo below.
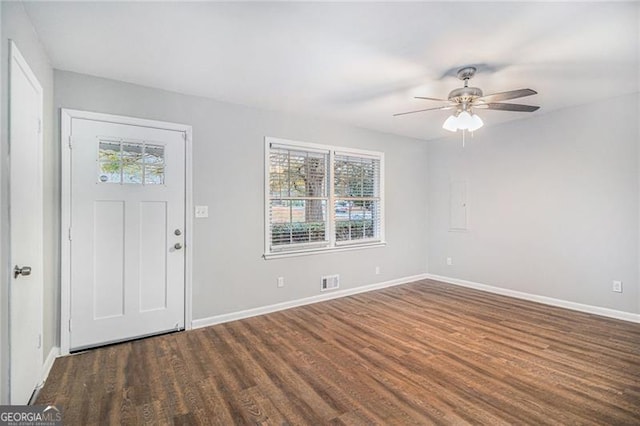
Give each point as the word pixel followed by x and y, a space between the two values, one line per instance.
pixel 320 197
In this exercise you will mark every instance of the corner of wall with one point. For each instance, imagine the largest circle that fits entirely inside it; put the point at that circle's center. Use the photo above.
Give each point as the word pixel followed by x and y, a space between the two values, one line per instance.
pixel 16 25
pixel 637 122
pixel 4 279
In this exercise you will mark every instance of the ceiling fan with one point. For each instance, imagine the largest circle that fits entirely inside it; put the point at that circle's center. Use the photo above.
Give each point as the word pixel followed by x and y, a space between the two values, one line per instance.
pixel 465 100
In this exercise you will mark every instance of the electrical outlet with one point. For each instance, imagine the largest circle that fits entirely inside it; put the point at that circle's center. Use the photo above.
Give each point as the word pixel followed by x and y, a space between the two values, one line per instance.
pixel 449 261
pixel 377 270
pixel 280 282
pixel 617 286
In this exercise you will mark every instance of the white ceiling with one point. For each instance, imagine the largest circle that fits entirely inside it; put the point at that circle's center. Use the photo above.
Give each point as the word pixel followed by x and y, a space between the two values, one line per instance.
pixel 354 62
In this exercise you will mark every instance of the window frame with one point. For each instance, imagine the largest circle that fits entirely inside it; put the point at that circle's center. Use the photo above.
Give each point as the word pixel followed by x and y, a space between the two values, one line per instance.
pixel 333 245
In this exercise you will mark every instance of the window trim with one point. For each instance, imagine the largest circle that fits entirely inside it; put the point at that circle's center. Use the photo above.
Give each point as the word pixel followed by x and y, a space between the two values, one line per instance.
pixel 333 245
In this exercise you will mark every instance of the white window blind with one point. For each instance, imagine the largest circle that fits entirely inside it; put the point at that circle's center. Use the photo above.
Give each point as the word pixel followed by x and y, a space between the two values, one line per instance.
pixel 357 198
pixel 298 197
pixel 320 197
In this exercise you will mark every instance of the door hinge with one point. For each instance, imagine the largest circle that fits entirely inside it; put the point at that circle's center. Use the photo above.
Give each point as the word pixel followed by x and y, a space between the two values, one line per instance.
pixel 69 234
pixel 39 125
pixel 184 136
pixel 70 142
pixel 39 341
pixel 69 325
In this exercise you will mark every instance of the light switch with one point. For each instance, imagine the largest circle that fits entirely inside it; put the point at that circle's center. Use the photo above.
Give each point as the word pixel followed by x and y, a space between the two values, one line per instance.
pixel 202 211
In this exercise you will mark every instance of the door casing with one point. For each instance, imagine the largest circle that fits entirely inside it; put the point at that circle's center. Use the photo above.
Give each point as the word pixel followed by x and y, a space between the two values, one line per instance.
pixel 66 118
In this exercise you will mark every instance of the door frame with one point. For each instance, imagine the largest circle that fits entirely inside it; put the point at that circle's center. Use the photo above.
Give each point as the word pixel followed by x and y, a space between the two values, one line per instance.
pixel 66 117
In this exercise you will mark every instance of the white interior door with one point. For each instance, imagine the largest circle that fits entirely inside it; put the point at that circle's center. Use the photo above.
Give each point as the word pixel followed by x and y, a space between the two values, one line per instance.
pixel 26 216
pixel 127 231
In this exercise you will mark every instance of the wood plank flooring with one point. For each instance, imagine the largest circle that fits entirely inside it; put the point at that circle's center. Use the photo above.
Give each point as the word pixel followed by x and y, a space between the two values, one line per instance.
pixel 421 353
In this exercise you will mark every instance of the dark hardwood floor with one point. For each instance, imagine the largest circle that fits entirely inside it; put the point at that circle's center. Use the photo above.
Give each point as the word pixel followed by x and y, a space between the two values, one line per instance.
pixel 422 353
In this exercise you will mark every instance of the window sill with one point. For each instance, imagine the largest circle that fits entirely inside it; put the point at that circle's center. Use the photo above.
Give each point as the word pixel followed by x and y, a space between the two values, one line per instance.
pixel 296 253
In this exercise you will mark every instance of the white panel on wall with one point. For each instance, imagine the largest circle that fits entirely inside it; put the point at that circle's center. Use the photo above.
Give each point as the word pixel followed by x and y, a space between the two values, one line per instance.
pixel 153 255
pixel 108 279
pixel 458 205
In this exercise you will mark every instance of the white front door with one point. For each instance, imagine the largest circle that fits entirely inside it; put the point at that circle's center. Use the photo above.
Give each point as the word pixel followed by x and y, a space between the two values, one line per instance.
pixel 26 216
pixel 127 231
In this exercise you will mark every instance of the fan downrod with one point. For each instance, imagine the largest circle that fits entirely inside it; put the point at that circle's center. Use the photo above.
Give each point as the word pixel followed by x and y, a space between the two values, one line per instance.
pixel 465 95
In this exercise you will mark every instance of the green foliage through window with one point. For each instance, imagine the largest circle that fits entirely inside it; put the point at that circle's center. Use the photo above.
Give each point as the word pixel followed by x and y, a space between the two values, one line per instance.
pixel 304 203
pixel 130 162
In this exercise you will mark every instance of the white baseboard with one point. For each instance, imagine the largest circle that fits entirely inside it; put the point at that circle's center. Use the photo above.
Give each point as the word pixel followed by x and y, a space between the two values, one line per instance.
pixel 48 363
pixel 218 319
pixel 233 316
pixel 597 310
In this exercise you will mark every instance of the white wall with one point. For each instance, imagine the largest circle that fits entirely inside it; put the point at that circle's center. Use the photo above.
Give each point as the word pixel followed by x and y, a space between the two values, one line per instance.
pixel 228 145
pixel 553 205
pixel 17 26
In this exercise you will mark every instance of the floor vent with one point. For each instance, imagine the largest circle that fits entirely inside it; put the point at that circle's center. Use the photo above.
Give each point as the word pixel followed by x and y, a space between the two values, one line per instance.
pixel 330 282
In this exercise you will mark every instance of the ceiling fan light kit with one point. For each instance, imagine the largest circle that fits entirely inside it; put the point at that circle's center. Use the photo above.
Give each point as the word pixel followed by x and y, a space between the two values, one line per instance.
pixel 463 121
pixel 465 99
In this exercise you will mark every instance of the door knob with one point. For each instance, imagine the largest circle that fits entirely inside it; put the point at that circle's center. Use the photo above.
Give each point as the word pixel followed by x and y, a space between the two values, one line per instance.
pixel 177 246
pixel 177 232
pixel 25 270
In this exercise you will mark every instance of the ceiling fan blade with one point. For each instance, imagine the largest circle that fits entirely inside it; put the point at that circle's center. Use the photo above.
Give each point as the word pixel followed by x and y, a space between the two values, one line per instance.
pixel 503 96
pixel 422 110
pixel 431 99
pixel 511 107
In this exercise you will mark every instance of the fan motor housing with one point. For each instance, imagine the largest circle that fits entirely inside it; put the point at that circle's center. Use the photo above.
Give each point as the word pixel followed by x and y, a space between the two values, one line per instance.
pixel 465 94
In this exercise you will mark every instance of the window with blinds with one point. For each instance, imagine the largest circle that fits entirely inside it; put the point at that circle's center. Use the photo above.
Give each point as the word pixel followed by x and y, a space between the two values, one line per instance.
pixel 357 197
pixel 320 197
pixel 298 197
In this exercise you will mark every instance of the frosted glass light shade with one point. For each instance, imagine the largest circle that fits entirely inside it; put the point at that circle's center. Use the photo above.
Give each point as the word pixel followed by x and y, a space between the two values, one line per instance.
pixel 464 120
pixel 476 123
pixel 450 123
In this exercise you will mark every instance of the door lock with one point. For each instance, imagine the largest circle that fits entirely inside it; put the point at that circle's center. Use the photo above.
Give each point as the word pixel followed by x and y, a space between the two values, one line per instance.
pixel 177 246
pixel 177 232
pixel 24 271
